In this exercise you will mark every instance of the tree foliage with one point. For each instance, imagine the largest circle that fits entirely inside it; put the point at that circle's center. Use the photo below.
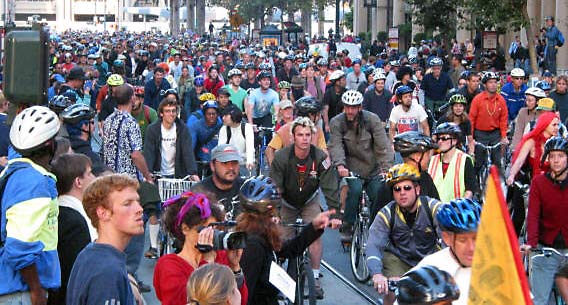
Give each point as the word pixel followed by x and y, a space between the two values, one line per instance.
pixel 436 15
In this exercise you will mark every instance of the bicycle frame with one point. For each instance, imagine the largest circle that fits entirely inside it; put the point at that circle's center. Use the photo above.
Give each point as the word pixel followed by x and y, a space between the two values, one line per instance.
pixel 262 164
pixel 484 169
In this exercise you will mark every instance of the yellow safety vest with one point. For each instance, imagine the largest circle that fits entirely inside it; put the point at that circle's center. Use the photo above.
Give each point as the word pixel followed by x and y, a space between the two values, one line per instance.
pixel 452 185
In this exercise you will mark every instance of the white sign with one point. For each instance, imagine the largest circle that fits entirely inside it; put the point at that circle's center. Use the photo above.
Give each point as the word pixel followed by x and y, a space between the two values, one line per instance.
pixel 393 33
pixel 282 281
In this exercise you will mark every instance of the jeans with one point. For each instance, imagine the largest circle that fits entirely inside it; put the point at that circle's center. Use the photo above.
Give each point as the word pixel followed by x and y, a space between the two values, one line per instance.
pixel 352 200
pixel 550 60
pixel 16 298
pixel 541 276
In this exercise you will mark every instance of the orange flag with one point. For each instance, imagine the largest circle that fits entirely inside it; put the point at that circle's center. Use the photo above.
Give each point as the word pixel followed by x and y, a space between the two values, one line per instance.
pixel 497 275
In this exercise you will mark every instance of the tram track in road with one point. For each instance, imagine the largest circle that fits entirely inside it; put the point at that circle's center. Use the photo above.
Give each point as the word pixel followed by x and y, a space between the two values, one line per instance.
pixel 350 284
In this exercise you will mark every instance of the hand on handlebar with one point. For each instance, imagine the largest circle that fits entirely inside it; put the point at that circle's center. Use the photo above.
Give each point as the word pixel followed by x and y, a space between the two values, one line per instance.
pixel 526 249
pixel 342 171
pixel 504 141
pixel 381 284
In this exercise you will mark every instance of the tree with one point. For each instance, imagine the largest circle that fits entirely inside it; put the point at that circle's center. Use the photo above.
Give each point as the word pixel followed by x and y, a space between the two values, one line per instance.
pixel 437 15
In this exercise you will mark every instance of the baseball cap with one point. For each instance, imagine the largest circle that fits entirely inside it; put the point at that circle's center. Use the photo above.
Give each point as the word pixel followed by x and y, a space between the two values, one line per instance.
pixel 77 73
pixel 225 153
pixel 546 104
pixel 284 104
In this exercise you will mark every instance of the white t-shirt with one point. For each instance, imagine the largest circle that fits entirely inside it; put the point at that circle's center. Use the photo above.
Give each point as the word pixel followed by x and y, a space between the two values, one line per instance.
pixel 408 121
pixel 168 150
pixel 245 145
pixel 444 260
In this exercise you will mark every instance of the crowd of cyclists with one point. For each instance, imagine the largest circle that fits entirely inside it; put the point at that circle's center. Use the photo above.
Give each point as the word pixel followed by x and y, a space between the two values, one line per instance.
pixel 80 174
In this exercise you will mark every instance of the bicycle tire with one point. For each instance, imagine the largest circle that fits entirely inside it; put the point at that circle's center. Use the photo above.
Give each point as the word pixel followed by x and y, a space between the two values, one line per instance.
pixel 306 286
pixel 357 253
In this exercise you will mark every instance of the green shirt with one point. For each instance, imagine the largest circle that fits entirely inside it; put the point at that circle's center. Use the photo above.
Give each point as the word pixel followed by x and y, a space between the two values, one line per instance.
pixel 145 118
pixel 237 98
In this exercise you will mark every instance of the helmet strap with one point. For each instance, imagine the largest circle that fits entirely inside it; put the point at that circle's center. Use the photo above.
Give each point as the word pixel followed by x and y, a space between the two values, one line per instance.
pixel 453 253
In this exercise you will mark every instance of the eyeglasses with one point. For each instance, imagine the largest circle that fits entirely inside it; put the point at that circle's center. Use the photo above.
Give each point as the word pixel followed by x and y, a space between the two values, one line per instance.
pixel 444 139
pixel 517 78
pixel 170 110
pixel 398 189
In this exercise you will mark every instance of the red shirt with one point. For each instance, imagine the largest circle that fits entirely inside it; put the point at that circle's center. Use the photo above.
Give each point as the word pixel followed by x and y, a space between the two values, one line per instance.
pixel 548 212
pixel 172 273
pixel 213 85
pixel 489 113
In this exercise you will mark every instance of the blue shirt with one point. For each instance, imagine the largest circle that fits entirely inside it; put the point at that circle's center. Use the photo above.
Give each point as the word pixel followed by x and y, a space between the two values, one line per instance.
pixel 152 92
pixel 263 102
pixel 515 99
pixel 436 88
pixel 99 277
pixel 201 133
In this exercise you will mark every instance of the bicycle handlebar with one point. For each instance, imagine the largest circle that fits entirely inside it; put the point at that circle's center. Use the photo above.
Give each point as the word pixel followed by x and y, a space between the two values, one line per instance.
pixel 521 186
pixel 548 251
pixel 488 147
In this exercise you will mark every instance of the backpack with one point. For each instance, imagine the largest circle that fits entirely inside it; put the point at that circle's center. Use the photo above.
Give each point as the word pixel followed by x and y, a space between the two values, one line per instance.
pixel 424 201
pixel 243 124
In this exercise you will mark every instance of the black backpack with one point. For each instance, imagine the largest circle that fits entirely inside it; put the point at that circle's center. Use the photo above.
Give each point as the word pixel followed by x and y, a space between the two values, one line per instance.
pixel 243 124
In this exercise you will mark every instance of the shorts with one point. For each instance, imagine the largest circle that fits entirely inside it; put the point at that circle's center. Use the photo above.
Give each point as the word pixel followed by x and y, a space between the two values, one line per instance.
pixel 394 266
pixel 288 214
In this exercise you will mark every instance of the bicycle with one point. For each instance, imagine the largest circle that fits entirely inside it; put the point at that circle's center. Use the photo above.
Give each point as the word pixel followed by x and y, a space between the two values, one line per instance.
pixel 519 214
pixel 300 269
pixel 548 253
pixel 360 234
pixel 263 167
pixel 483 172
pixel 168 188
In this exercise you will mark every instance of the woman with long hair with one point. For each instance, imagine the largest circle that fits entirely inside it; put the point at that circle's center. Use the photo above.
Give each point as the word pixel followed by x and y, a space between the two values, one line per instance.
pixel 187 218
pixel 260 200
pixel 213 284
pixel 213 82
pixel 456 114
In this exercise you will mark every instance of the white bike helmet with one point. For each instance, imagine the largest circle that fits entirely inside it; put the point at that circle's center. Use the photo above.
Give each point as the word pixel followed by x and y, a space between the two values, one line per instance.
pixel 234 72
pixel 33 127
pixel 352 98
pixel 517 72
pixel 378 76
pixel 335 75
pixel 536 92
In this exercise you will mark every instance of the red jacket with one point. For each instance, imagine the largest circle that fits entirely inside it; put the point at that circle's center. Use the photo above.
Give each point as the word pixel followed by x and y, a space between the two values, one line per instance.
pixel 171 274
pixel 213 85
pixel 488 114
pixel 548 211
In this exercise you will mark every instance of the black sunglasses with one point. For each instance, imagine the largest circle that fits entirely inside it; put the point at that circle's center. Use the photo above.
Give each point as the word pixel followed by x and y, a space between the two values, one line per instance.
pixel 398 189
pixel 445 138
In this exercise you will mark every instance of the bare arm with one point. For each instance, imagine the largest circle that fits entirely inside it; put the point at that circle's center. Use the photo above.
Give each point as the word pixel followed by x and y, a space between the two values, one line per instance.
pixel 38 293
pixel 140 163
pixel 250 109
pixel 425 127
pixel 325 118
pixel 525 150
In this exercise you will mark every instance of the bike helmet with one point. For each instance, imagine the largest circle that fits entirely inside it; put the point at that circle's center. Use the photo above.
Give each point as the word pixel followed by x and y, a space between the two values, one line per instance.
pixel 32 128
pixel 377 75
pixel 402 90
pixel 459 215
pixel 289 57
pixel 335 75
pixel 264 66
pixel 115 80
pixel 536 92
pixel 283 85
pixel 264 74
pixel 118 63
pixel 435 61
pixel 402 172
pixel 543 85
pixel 489 75
pixel 58 103
pixel 457 99
pixel 412 60
pixel 517 72
pixel 426 285
pixel 139 90
pixel 370 70
pixel 240 66
pixel 207 97
pixel 234 72
pixel 77 113
pixel 554 144
pixel 322 62
pixel 259 195
pixel 210 104
pixel 410 142
pixel 198 82
pixel 307 105
pixel 448 128
pixel 352 98
pixel 250 65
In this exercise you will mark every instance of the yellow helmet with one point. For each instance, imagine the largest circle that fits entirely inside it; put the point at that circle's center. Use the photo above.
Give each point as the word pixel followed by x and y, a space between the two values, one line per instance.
pixel 401 172
pixel 207 97
pixel 115 80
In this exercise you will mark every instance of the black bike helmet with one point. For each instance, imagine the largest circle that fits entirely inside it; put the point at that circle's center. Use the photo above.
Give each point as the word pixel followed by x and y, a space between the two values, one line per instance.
pixel 459 215
pixel 58 103
pixel 448 128
pixel 489 75
pixel 426 285
pixel 410 142
pixel 554 144
pixel 250 65
pixel 259 195
pixel 307 105
pixel 264 74
pixel 77 113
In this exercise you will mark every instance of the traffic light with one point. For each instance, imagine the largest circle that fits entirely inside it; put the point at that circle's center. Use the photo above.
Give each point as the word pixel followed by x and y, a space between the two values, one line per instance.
pixel 27 67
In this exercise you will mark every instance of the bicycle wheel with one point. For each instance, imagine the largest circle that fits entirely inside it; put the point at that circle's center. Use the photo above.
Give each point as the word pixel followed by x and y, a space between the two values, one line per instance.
pixel 306 285
pixel 358 259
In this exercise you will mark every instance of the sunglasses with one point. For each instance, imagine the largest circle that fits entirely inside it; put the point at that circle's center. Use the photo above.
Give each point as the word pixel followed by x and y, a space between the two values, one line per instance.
pixel 445 139
pixel 518 78
pixel 398 189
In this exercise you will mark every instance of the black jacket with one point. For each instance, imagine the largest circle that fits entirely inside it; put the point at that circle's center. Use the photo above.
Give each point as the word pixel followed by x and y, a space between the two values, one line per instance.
pixel 185 159
pixel 81 146
pixel 259 255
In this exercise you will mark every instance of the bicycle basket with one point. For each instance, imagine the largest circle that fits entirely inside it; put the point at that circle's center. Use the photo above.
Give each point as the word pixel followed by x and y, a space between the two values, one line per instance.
pixel 170 187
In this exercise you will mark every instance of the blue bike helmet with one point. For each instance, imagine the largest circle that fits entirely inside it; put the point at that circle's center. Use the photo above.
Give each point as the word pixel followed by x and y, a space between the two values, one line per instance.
pixel 544 85
pixel 459 215
pixel 198 81
pixel 259 195
pixel 402 90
